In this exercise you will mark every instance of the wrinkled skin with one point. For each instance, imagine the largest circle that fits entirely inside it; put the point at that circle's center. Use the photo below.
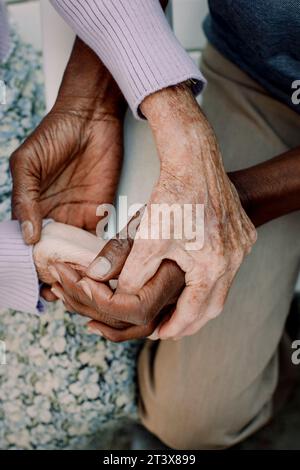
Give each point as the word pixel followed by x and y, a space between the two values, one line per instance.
pixel 75 248
pixel 112 313
pixel 50 180
pixel 71 163
pixel 191 172
pixel 69 166
pixel 264 194
pixel 66 244
pixel 119 317
pixel 72 246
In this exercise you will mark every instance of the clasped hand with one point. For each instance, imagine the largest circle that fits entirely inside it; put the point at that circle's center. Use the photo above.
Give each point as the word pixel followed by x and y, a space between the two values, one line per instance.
pixel 163 289
pixel 71 164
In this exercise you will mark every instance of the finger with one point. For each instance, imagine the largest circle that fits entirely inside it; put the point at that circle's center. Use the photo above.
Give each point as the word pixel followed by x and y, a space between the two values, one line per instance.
pixel 193 300
pixel 162 290
pixel 47 294
pixel 111 305
pixel 102 308
pixel 75 307
pixel 25 198
pixel 87 304
pixel 68 245
pixel 139 310
pixel 56 289
pixel 141 265
pixel 166 317
pixel 127 334
pixel 89 311
pixel 111 259
pixel 215 305
pixel 142 308
pixel 69 278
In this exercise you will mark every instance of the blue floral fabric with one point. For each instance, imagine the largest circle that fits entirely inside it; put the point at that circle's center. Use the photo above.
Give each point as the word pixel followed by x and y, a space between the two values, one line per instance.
pixel 60 386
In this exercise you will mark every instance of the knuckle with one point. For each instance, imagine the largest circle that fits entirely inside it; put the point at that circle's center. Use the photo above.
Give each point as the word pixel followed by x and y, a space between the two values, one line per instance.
pixel 14 160
pixel 146 314
pixel 126 283
pixel 118 245
pixel 208 272
pixel 219 265
pixel 237 256
pixel 253 235
pixel 20 154
pixel 113 336
pixel 117 338
pixel 141 319
pixel 250 245
pixel 132 317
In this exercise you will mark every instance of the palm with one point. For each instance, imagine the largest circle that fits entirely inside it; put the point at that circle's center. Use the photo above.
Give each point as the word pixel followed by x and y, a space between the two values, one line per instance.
pixel 81 169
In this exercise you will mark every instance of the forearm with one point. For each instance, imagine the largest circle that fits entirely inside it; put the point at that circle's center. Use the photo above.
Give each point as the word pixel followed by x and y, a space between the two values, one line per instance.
pixel 88 85
pixel 267 191
pixel 134 41
pixel 188 149
pixel 271 189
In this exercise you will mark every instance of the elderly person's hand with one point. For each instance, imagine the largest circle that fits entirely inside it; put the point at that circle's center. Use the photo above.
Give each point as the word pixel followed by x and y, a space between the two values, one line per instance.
pixel 192 173
pixel 76 248
pixel 66 244
pixel 72 161
pixel 273 197
pixel 116 316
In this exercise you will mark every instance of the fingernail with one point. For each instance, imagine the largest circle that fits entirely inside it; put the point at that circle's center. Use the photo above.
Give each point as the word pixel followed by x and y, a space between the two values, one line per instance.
pixel 86 288
pixel 154 336
pixel 54 273
pixel 27 230
pixel 94 331
pixel 100 267
pixel 57 293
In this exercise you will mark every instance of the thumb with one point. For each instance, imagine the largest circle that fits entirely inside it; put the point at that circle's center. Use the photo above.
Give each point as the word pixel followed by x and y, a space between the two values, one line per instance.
pixel 109 262
pixel 25 199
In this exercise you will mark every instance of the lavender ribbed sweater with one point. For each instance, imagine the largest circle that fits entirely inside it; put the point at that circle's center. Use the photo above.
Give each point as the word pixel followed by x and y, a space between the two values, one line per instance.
pixel 19 287
pixel 135 42
pixel 133 39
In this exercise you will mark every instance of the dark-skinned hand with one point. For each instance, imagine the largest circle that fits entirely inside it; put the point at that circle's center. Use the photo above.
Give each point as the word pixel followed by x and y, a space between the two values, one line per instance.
pixel 273 197
pixel 71 163
pixel 120 317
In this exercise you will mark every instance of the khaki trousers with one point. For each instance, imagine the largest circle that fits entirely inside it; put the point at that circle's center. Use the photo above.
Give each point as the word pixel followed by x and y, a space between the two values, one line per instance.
pixel 214 389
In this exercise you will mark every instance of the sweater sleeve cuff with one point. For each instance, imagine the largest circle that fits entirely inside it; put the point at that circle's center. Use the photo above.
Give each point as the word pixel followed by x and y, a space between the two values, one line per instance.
pixel 19 285
pixel 135 42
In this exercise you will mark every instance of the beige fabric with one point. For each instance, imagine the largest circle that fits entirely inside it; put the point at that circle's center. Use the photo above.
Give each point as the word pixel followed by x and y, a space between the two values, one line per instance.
pixel 215 388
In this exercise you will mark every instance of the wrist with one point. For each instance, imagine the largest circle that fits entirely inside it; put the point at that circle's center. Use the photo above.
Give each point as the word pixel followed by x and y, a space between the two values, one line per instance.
pixel 88 85
pixel 186 143
pixel 175 104
pixel 175 115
